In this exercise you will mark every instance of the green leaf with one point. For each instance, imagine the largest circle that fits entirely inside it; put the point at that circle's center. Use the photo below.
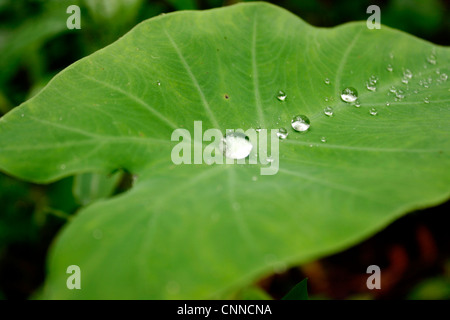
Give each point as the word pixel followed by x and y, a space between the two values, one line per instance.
pixel 299 292
pixel 89 187
pixel 200 231
pixel 253 293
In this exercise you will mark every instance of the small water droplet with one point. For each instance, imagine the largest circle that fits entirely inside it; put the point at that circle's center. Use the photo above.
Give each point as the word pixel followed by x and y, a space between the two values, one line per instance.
pixel 158 83
pixel 407 74
pixel 371 83
pixel 281 96
pixel 357 104
pixel 432 59
pixel 270 159
pixel 282 133
pixel 236 145
pixel 323 139
pixel 63 166
pixel 426 100
pixel 328 111
pixel 327 81
pixel 373 111
pixel 388 104
pixel 258 129
pixel 400 94
pixel 300 123
pixel 349 95
pixel 443 77
pixel 389 68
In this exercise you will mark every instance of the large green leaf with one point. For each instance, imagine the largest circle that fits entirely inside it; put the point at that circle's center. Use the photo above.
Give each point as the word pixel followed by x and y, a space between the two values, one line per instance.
pixel 199 231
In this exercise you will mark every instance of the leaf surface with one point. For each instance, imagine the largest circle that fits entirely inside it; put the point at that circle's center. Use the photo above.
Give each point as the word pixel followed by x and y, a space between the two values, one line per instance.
pixel 200 231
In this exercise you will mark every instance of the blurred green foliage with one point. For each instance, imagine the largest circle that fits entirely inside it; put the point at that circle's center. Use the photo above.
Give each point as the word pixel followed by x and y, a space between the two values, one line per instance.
pixel 35 44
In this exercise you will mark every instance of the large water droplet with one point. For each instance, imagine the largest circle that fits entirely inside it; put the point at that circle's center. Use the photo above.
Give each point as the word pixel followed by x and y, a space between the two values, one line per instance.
pixel 236 145
pixel 282 133
pixel 300 123
pixel 281 96
pixel 373 111
pixel 349 95
pixel 328 111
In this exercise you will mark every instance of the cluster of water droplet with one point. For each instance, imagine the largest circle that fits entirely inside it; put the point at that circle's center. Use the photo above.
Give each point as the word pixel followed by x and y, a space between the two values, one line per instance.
pixel 301 123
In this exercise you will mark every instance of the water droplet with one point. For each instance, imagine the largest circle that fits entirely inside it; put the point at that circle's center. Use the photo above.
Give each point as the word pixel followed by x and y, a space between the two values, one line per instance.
pixel 431 59
pixel 443 77
pixel 400 94
pixel 300 123
pixel 373 111
pixel 323 139
pixel 270 159
pixel 371 83
pixel 426 100
pixel 389 68
pixel 393 89
pixel 281 96
pixel 236 145
pixel 407 74
pixel 349 95
pixel 357 104
pixel 328 111
pixel 282 133
pixel 63 166
pixel 158 83
pixel 387 104
pixel 327 81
